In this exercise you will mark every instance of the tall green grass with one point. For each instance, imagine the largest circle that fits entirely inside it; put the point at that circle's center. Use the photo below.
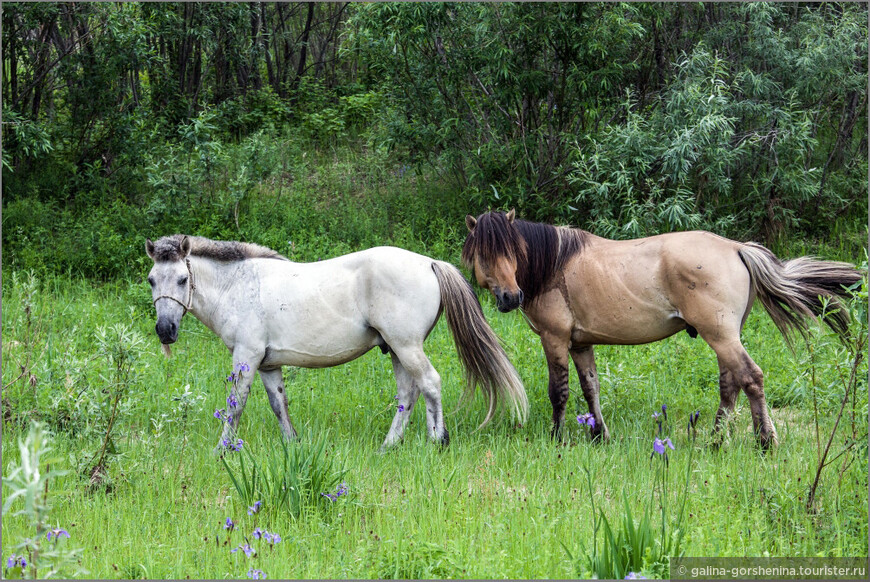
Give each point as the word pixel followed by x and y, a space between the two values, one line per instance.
pixel 503 501
pixel 498 502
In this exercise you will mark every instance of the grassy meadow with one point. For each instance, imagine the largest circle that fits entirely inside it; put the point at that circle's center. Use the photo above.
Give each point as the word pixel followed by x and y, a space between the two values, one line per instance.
pixel 319 129
pixel 498 502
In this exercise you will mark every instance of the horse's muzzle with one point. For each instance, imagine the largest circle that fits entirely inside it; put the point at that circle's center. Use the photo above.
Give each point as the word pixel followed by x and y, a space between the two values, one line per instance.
pixel 166 330
pixel 506 301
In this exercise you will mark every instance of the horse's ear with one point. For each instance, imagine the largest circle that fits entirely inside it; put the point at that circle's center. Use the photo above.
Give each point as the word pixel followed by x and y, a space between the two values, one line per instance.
pixel 149 248
pixel 470 222
pixel 185 245
pixel 511 215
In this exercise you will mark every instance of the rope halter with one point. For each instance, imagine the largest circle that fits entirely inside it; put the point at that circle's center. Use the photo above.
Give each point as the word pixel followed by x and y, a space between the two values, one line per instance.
pixel 190 290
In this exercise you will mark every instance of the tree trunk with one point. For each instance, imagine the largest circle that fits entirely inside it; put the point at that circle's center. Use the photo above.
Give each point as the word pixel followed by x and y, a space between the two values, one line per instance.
pixel 264 39
pixel 252 66
pixel 303 51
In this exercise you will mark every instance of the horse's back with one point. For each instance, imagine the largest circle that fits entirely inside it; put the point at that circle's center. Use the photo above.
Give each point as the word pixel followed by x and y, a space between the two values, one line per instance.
pixel 641 290
pixel 700 261
pixel 398 292
pixel 664 254
pixel 329 312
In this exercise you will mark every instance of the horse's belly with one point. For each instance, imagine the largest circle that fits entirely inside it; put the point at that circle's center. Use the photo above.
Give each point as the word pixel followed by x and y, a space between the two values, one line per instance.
pixel 626 331
pixel 321 352
pixel 628 317
pixel 304 359
pixel 317 338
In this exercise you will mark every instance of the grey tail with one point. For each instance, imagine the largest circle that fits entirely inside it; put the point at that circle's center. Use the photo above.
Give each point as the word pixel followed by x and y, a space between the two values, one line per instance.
pixel 794 292
pixel 483 358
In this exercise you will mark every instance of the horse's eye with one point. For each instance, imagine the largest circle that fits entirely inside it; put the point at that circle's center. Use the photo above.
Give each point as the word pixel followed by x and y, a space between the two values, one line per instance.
pixel 151 281
pixel 182 281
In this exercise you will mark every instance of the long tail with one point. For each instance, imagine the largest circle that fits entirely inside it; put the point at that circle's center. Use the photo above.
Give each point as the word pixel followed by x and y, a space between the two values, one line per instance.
pixel 485 362
pixel 790 290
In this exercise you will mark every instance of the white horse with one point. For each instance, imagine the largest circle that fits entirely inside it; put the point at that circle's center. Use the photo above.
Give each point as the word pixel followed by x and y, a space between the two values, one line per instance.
pixel 271 312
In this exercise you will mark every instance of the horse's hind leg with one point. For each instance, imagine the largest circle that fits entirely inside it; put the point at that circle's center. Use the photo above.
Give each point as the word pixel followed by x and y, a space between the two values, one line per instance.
pixel 584 361
pixel 421 379
pixel 407 395
pixel 273 381
pixel 738 372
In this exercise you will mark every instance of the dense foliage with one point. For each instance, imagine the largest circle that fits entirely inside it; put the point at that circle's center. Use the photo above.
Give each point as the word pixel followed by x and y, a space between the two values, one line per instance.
pixel 125 120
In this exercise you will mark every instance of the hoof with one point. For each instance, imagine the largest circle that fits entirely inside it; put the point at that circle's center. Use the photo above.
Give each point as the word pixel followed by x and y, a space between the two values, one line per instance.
pixel 557 433
pixel 717 438
pixel 767 441
pixel 445 439
pixel 385 448
pixel 600 436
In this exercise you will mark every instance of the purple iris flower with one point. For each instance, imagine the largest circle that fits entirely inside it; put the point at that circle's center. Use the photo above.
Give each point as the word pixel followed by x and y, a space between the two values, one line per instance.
pixel 635 576
pixel 587 419
pixel 342 490
pixel 57 533
pixel 231 401
pixel 659 445
pixel 256 574
pixel 272 538
pixel 401 408
pixel 255 508
pixel 258 533
pixel 249 551
pixel 230 524
pixel 243 367
pixel 14 561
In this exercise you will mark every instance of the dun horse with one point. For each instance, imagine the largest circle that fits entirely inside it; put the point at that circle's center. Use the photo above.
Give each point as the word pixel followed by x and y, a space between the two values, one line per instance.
pixel 578 290
pixel 271 312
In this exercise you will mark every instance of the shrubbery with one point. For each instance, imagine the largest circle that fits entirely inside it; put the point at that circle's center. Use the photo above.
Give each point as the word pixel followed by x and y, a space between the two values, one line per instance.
pixel 134 120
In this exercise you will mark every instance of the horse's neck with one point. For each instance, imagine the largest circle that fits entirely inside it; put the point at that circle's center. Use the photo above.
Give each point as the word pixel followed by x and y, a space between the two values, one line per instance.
pixel 213 282
pixel 546 257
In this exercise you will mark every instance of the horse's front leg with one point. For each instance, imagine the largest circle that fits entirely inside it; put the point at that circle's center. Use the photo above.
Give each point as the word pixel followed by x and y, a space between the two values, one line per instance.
pixel 556 352
pixel 273 381
pixel 584 361
pixel 244 369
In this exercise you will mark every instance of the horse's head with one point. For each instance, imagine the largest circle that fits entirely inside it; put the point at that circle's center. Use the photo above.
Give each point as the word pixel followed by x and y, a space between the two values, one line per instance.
pixel 493 250
pixel 171 286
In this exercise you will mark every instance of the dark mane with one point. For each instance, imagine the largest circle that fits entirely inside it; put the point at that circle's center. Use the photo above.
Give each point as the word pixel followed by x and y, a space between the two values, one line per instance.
pixel 540 250
pixel 168 248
